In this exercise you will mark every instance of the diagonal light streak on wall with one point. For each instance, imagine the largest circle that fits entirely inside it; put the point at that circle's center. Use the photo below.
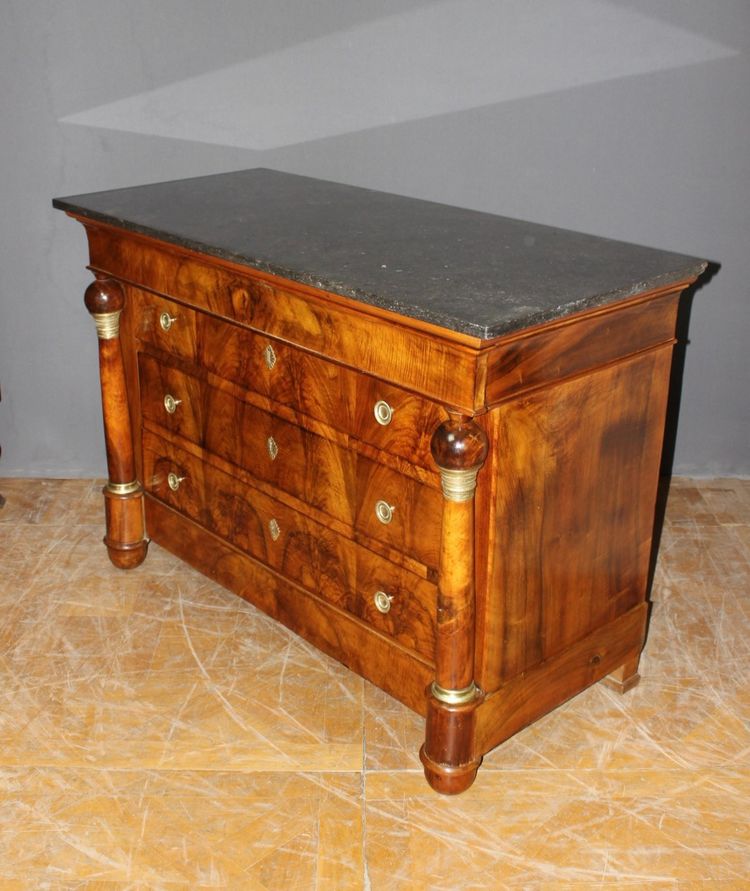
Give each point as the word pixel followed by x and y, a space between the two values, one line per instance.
pixel 445 58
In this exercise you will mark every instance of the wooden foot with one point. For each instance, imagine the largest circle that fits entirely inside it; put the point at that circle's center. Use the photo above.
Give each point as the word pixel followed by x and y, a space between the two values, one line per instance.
pixel 125 541
pixel 447 755
pixel 446 779
pixel 625 677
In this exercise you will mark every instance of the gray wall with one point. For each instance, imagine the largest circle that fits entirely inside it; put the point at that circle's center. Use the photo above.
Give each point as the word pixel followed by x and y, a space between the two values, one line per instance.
pixel 625 118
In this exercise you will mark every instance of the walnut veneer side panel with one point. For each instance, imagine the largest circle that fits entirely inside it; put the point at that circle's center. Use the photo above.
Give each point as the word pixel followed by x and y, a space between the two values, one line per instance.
pixel 575 482
pixel 578 343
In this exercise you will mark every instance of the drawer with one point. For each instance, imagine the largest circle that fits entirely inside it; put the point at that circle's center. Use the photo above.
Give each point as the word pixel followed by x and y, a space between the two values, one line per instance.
pixel 380 414
pixel 309 467
pixel 386 597
pixel 399 511
pixel 381 503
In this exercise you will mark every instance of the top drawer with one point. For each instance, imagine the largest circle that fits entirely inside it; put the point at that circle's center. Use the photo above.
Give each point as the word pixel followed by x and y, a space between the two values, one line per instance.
pixel 385 416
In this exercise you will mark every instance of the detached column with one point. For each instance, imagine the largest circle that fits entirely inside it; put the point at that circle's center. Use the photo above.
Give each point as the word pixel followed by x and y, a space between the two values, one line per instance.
pixel 123 495
pixel 459 447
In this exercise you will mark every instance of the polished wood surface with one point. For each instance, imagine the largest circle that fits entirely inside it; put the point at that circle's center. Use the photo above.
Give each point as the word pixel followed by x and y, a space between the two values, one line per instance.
pixel 336 632
pixel 467 523
pixel 123 495
pixel 310 554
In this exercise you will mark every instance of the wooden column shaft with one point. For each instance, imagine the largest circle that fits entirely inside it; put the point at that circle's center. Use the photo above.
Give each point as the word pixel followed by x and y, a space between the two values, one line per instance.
pixel 459 447
pixel 125 539
pixel 118 435
pixel 454 652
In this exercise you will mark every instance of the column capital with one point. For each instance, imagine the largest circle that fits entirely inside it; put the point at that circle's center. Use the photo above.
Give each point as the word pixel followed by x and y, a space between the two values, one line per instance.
pixel 459 447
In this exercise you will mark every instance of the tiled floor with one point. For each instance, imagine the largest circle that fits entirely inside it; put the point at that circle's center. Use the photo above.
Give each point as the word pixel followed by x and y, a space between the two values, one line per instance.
pixel 156 731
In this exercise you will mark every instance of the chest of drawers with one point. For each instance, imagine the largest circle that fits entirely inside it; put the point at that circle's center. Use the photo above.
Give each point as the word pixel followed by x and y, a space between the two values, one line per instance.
pixel 425 439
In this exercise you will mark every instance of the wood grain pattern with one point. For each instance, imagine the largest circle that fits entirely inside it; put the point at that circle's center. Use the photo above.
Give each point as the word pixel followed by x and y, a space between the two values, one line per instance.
pixel 307 466
pixel 394 349
pixel 459 447
pixel 310 467
pixel 579 343
pixel 125 538
pixel 309 553
pixel 520 598
pixel 376 657
pixel 334 394
pixel 529 696
pixel 576 488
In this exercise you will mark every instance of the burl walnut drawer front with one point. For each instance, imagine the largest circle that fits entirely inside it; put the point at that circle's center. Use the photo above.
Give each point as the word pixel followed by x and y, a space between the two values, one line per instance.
pixel 385 416
pixel 307 466
pixel 387 597
pixel 378 502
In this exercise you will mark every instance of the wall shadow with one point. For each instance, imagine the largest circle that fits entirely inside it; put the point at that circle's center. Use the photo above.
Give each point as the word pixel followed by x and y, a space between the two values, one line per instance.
pixel 674 398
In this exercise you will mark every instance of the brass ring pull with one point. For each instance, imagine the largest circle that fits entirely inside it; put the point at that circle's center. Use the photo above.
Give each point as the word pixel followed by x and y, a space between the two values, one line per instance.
pixel 270 356
pixel 166 321
pixel 170 403
pixel 274 529
pixel 273 449
pixel 384 512
pixel 383 413
pixel 382 601
pixel 173 481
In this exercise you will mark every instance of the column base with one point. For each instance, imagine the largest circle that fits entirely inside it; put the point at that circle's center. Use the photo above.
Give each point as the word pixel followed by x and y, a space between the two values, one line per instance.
pixel 126 556
pixel 448 779
pixel 448 755
pixel 625 677
pixel 126 540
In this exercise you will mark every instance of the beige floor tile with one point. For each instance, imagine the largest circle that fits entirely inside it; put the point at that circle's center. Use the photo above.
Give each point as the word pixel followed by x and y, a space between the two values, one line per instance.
pixel 51 502
pixel 180 828
pixel 551 828
pixel 156 731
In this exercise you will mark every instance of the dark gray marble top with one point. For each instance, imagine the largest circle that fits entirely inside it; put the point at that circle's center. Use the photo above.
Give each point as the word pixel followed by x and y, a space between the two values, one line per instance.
pixel 464 270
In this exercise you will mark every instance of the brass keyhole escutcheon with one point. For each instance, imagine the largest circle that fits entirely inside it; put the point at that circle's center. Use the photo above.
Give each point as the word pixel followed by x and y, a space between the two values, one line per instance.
pixel 383 413
pixel 174 481
pixel 166 321
pixel 170 403
pixel 270 356
pixel 273 449
pixel 384 512
pixel 382 601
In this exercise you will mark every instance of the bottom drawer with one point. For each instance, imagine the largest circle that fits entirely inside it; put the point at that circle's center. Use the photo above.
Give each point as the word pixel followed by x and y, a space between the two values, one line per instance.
pixel 389 598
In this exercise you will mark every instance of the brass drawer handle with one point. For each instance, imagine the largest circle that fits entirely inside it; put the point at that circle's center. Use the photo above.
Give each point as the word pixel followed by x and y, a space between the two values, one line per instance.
pixel 384 512
pixel 382 601
pixel 166 321
pixel 383 413
pixel 173 481
pixel 170 403
pixel 273 449
pixel 270 356
pixel 274 529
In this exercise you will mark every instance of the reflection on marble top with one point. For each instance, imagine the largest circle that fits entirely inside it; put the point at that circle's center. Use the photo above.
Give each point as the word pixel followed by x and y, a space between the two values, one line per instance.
pixel 471 272
pixel 157 731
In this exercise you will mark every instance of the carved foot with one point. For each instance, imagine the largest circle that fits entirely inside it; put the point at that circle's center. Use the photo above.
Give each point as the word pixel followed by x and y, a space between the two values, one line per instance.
pixel 448 779
pixel 625 677
pixel 127 556
pixel 125 541
pixel 448 756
